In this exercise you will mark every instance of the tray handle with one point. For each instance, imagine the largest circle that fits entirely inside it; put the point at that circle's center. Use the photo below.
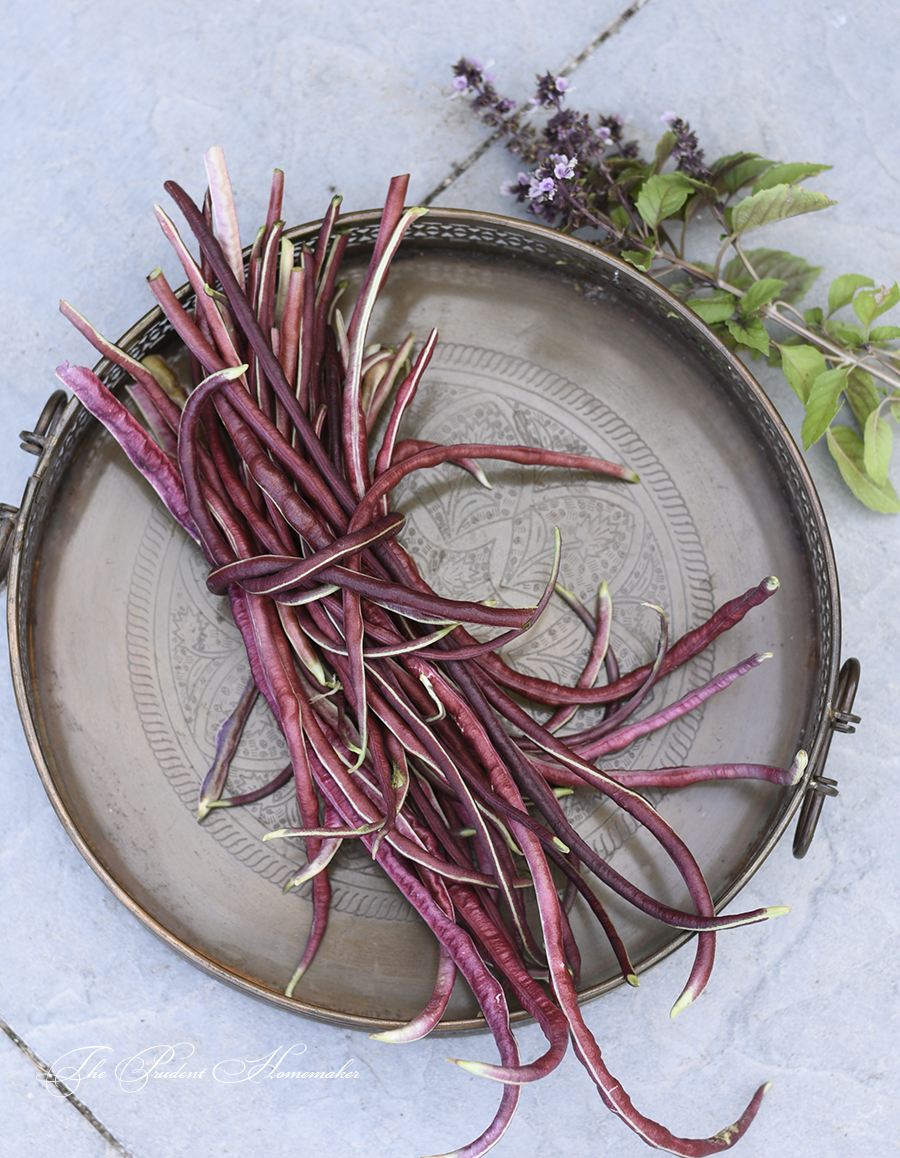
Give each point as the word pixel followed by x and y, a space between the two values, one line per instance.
pixel 841 719
pixel 34 442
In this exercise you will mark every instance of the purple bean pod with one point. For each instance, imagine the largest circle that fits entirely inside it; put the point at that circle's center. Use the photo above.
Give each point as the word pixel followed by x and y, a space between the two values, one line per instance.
pixel 152 462
pixel 227 739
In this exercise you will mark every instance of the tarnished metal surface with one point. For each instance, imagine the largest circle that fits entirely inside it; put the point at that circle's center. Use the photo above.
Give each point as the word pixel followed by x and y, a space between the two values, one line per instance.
pixel 125 665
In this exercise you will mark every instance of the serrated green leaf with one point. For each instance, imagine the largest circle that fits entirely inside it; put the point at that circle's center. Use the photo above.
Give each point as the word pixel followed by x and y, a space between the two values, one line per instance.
pixel 617 164
pixel 704 195
pixel 737 274
pixel 708 191
pixel 871 304
pixel 693 205
pixel 850 334
pixel 750 333
pixel 716 308
pixel 664 147
pixel 776 204
pixel 814 316
pixel 738 169
pixel 798 275
pixel 638 258
pixel 723 164
pixel 822 405
pixel 620 217
pixel 847 451
pixel 802 365
pixel 760 293
pixel 862 395
pixel 774 356
pixel 788 174
pixel 884 333
pixel 626 182
pixel 662 196
pixel 877 443
pixel 843 288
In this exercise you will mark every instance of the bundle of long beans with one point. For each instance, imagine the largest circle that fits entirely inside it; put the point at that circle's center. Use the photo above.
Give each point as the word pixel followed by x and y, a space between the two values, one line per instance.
pixel 404 730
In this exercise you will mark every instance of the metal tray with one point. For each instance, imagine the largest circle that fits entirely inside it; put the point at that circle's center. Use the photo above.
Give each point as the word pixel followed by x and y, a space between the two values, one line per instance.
pixel 124 665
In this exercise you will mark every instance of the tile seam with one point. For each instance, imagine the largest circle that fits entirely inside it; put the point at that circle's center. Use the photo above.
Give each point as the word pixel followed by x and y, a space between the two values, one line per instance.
pixel 567 69
pixel 48 1076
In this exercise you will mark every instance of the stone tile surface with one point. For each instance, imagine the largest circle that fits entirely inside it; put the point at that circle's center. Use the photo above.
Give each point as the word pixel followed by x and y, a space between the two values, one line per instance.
pixel 99 103
pixel 39 1120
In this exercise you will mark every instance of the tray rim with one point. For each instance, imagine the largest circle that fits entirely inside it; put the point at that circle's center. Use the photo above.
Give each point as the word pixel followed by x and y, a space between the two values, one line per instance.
pixel 19 597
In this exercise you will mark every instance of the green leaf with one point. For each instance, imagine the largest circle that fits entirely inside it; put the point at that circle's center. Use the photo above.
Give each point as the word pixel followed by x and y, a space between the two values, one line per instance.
pixel 847 451
pixel 737 274
pixel 681 289
pixel 843 288
pixel 662 196
pixel 776 204
pixel 664 147
pixel 761 293
pixel 638 258
pixel 620 218
pixel 633 168
pixel 704 195
pixel 814 317
pixel 619 164
pixel 877 442
pixel 626 182
pixel 750 333
pixel 774 356
pixel 861 394
pixel 884 333
pixel 798 275
pixel 851 335
pixel 802 365
pixel 822 405
pixel 738 169
pixel 895 410
pixel 693 205
pixel 871 304
pixel 716 308
pixel 708 191
pixel 788 174
pixel 723 164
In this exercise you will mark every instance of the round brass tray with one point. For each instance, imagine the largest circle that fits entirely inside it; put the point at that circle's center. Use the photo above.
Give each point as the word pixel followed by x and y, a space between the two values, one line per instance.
pixel 125 666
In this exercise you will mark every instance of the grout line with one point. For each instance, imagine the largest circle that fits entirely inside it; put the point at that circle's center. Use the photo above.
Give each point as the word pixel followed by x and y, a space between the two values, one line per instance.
pixel 49 1078
pixel 611 29
pixel 569 67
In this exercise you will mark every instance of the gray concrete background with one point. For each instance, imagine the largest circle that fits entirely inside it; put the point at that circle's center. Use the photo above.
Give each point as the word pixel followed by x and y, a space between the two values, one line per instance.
pixel 100 102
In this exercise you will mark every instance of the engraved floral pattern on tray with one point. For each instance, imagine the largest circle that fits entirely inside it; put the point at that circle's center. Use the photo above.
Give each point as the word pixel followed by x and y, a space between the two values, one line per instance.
pixel 470 543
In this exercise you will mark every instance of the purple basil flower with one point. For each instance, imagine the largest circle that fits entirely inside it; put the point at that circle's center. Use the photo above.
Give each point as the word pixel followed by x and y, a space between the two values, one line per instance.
pixel 688 157
pixel 563 166
pixel 549 89
pixel 541 188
